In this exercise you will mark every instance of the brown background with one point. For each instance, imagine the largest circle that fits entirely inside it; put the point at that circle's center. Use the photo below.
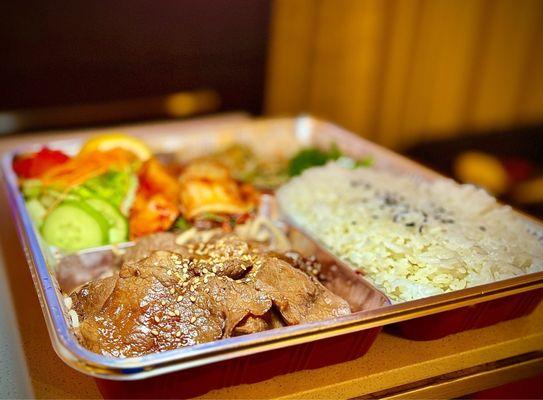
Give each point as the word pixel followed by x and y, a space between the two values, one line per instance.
pixel 68 52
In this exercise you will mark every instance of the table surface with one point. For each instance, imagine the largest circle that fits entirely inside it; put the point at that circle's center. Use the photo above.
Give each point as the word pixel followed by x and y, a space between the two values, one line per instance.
pixel 30 368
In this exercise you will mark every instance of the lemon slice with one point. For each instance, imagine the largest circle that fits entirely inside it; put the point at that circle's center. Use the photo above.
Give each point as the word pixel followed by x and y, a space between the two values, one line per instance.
pixel 109 141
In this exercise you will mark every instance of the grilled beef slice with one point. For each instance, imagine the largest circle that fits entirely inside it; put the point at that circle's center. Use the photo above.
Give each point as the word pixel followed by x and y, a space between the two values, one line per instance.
pixel 195 294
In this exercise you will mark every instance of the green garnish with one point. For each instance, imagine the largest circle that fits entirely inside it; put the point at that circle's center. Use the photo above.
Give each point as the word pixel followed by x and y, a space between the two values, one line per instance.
pixel 313 157
pixel 213 217
pixel 112 185
pixel 181 224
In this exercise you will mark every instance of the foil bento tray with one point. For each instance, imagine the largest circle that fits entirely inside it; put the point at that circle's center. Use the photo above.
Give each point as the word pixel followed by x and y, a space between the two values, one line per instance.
pixel 423 319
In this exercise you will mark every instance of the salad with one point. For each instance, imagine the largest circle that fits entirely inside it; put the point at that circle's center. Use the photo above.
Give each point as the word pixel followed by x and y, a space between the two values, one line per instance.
pixel 115 190
pixel 88 200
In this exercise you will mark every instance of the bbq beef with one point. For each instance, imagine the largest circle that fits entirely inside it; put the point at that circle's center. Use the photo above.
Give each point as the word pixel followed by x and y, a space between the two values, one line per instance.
pixel 252 324
pixel 298 297
pixel 178 296
pixel 147 244
pixel 92 296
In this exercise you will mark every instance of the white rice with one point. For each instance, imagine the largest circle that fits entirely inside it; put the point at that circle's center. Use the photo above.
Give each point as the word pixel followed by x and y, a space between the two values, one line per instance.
pixel 412 239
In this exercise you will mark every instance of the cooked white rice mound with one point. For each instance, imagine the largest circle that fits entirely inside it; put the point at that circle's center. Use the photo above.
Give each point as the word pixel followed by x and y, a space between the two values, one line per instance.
pixel 412 239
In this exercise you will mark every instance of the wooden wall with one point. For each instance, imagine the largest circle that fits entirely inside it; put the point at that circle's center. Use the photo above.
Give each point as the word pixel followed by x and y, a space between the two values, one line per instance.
pixel 401 71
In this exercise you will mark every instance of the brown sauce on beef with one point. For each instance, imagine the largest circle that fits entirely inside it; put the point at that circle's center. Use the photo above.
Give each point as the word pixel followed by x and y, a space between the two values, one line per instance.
pixel 168 296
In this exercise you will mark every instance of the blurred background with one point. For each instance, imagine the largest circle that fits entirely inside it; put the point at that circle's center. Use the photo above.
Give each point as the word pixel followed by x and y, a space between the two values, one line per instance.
pixel 456 84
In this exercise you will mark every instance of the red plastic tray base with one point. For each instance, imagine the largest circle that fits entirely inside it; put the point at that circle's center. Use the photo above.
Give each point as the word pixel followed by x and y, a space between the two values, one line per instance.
pixel 248 369
pixel 480 315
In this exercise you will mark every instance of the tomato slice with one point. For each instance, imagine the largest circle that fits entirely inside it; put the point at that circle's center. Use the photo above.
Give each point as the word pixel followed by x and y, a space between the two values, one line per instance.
pixel 36 164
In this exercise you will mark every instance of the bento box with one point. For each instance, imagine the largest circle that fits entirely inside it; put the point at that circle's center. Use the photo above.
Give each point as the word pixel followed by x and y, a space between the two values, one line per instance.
pixel 189 371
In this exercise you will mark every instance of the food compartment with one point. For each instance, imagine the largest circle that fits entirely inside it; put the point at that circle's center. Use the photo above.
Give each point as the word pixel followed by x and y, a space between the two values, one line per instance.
pixel 97 196
pixel 74 270
pixel 415 220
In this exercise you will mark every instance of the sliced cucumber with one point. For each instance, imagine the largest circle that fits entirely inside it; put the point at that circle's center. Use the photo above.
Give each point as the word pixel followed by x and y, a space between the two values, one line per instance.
pixel 74 226
pixel 130 195
pixel 36 211
pixel 118 227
